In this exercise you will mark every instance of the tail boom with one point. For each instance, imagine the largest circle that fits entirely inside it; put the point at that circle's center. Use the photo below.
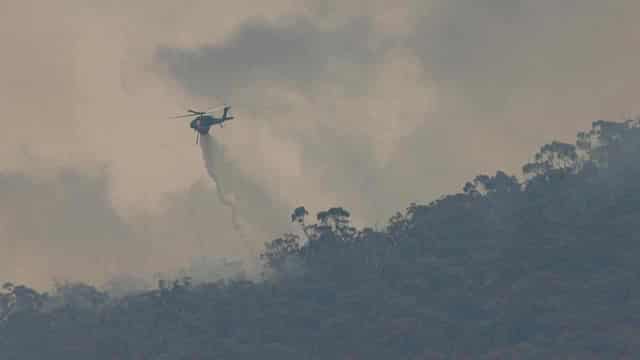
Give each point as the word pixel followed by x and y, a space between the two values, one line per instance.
pixel 225 115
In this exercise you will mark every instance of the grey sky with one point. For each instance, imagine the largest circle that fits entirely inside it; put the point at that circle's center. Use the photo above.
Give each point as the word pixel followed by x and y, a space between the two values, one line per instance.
pixel 365 104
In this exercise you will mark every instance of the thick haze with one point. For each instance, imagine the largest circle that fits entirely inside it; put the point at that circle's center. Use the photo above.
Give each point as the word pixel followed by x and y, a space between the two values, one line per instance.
pixel 364 104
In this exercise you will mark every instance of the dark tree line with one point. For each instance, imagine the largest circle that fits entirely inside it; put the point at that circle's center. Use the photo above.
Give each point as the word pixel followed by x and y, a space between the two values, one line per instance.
pixel 543 268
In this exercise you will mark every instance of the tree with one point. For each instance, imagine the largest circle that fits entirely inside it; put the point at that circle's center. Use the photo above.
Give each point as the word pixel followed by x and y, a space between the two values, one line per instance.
pixel 336 220
pixel 279 250
pixel 19 298
pixel 500 183
pixel 298 216
pixel 554 156
pixel 79 295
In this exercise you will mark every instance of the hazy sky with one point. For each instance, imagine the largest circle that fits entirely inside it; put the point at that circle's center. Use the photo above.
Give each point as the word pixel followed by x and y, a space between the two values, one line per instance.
pixel 365 104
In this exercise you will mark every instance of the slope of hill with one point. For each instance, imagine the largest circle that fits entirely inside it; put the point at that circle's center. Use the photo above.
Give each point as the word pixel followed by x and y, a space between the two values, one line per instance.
pixel 540 269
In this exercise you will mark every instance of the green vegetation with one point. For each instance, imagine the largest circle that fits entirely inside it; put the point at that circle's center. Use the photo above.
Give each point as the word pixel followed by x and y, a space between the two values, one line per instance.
pixel 545 268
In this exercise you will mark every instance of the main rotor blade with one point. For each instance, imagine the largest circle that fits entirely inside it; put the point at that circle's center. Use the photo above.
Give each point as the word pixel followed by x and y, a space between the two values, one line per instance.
pixel 197 137
pixel 215 108
pixel 181 116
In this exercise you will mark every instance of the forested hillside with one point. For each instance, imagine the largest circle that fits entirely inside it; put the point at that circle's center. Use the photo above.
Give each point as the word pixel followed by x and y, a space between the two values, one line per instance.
pixel 543 268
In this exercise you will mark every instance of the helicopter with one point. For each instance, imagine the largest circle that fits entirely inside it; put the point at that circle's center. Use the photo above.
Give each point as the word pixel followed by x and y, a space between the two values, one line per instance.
pixel 204 120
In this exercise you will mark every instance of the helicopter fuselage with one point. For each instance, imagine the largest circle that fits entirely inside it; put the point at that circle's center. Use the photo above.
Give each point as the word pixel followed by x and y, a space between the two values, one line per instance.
pixel 203 123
